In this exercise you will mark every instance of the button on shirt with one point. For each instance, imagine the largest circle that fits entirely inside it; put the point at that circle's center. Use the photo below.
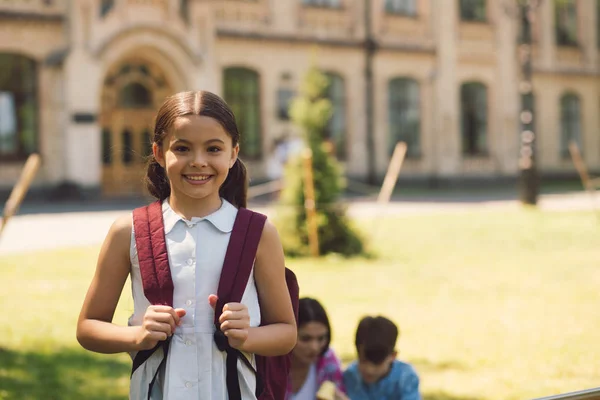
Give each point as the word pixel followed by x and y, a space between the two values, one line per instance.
pixel 195 367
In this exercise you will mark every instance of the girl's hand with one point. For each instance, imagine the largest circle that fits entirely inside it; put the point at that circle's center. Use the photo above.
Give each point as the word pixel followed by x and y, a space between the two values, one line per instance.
pixel 235 322
pixel 158 324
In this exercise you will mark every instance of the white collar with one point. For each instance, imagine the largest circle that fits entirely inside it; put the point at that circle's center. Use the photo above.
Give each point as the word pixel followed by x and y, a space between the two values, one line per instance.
pixel 222 219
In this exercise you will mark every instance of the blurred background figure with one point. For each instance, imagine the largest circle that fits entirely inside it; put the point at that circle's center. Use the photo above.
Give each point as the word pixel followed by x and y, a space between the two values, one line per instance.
pixel 313 361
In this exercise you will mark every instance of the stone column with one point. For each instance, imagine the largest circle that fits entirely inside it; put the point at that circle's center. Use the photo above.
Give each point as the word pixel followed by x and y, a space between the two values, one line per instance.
pixel 547 35
pixel 587 16
pixel 207 72
pixel 446 148
pixel 507 100
pixel 82 150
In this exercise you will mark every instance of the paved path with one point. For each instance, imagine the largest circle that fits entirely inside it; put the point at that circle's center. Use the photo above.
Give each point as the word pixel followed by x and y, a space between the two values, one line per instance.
pixel 59 226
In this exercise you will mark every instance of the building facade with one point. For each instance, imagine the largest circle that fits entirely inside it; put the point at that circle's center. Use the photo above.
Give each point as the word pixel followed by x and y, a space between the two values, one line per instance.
pixel 80 82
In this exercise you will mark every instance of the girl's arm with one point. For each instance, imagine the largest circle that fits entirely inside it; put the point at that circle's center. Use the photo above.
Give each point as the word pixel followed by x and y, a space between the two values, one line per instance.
pixel 279 337
pixel 95 330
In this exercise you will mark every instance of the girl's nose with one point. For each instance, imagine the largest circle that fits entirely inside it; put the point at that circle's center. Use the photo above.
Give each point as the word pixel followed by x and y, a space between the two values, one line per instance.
pixel 198 161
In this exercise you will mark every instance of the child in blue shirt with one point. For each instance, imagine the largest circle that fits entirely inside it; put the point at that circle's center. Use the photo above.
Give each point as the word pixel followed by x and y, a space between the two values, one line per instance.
pixel 378 375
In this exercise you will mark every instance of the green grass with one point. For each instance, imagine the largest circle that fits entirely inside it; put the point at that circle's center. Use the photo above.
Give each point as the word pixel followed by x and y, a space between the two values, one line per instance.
pixel 491 305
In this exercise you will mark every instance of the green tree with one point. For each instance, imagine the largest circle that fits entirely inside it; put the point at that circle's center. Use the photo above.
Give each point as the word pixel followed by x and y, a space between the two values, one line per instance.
pixel 311 111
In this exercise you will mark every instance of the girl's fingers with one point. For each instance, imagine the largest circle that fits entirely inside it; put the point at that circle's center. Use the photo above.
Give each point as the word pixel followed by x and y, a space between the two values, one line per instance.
pixel 154 326
pixel 237 334
pixel 158 336
pixel 180 313
pixel 234 315
pixel 234 324
pixel 212 300
pixel 166 318
pixel 234 307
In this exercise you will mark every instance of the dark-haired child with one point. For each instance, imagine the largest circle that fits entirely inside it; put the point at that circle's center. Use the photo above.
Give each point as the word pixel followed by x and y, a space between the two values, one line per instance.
pixel 378 374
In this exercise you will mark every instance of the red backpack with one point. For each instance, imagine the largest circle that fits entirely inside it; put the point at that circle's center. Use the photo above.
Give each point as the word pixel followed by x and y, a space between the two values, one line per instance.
pixel 271 372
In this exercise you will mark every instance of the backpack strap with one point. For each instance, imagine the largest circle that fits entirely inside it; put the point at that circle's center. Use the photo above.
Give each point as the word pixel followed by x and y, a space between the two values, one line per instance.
pixel 155 271
pixel 153 258
pixel 237 267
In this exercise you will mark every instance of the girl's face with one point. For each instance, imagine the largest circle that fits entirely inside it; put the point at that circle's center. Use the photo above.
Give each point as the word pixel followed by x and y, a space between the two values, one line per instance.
pixel 312 339
pixel 196 155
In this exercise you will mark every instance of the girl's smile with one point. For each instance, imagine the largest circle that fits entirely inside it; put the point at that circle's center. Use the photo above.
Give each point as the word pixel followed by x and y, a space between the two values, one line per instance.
pixel 197 179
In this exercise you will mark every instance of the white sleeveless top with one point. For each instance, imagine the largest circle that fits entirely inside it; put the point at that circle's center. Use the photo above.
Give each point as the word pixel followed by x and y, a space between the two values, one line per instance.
pixel 195 367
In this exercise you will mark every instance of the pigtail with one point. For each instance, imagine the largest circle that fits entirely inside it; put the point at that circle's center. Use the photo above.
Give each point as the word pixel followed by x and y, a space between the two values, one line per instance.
pixel 235 187
pixel 156 180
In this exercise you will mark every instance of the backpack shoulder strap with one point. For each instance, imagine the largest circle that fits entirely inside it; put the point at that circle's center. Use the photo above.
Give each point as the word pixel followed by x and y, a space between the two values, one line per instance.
pixel 239 258
pixel 152 254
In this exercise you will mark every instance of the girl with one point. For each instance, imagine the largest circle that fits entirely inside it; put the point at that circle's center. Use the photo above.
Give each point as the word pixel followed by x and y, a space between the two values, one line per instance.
pixel 313 361
pixel 196 173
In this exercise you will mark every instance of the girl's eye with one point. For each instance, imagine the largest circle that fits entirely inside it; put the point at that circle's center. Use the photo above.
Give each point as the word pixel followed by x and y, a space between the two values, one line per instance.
pixel 214 149
pixel 181 149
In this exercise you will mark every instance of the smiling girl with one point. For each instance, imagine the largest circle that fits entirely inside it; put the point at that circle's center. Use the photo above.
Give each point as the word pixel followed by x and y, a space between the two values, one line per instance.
pixel 196 175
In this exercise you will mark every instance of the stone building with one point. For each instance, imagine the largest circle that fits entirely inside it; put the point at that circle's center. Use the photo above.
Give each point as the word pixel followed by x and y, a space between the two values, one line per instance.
pixel 80 81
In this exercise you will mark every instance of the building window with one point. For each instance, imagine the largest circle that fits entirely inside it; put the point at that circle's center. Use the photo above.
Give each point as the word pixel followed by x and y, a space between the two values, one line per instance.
pixel 284 100
pixel 335 132
pixel 146 144
pixel 127 145
pixel 473 10
pixel 135 95
pixel 106 6
pixel 565 16
pixel 242 93
pixel 474 118
pixel 18 106
pixel 598 23
pixel 570 123
pixel 106 147
pixel 404 115
pixel 322 3
pixel 184 10
pixel 404 7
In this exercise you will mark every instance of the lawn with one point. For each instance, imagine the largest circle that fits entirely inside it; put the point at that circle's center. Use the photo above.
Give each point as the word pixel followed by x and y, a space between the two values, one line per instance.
pixel 491 305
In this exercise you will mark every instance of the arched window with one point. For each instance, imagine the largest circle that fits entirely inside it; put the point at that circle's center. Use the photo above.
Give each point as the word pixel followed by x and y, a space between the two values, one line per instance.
pixel 184 10
pixel 242 93
pixel 404 7
pixel 127 146
pixel 474 118
pixel 106 6
pixel 404 115
pixel 473 10
pixel 565 20
pixel 135 95
pixel 106 147
pixel 570 123
pixel 336 128
pixel 18 106
pixel 146 144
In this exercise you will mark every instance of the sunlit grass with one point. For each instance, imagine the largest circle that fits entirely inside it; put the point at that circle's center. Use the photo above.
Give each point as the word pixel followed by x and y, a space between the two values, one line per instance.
pixel 491 305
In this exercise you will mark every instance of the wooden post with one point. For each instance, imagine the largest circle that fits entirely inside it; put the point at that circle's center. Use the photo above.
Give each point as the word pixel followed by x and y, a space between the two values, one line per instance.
pixel 391 176
pixel 18 193
pixel 309 203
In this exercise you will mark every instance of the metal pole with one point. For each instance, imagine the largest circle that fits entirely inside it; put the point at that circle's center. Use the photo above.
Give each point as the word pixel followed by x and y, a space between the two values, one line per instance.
pixel 528 174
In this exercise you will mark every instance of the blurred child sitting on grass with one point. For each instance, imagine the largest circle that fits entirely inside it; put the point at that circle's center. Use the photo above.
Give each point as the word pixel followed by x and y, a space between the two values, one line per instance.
pixel 377 374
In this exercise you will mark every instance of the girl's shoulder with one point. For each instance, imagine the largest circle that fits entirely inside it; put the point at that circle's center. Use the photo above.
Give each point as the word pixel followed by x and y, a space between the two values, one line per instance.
pixel 122 226
pixel 120 232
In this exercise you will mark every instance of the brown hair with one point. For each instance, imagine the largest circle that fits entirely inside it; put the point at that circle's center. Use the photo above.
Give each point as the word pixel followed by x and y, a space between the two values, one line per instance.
pixel 207 104
pixel 376 337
